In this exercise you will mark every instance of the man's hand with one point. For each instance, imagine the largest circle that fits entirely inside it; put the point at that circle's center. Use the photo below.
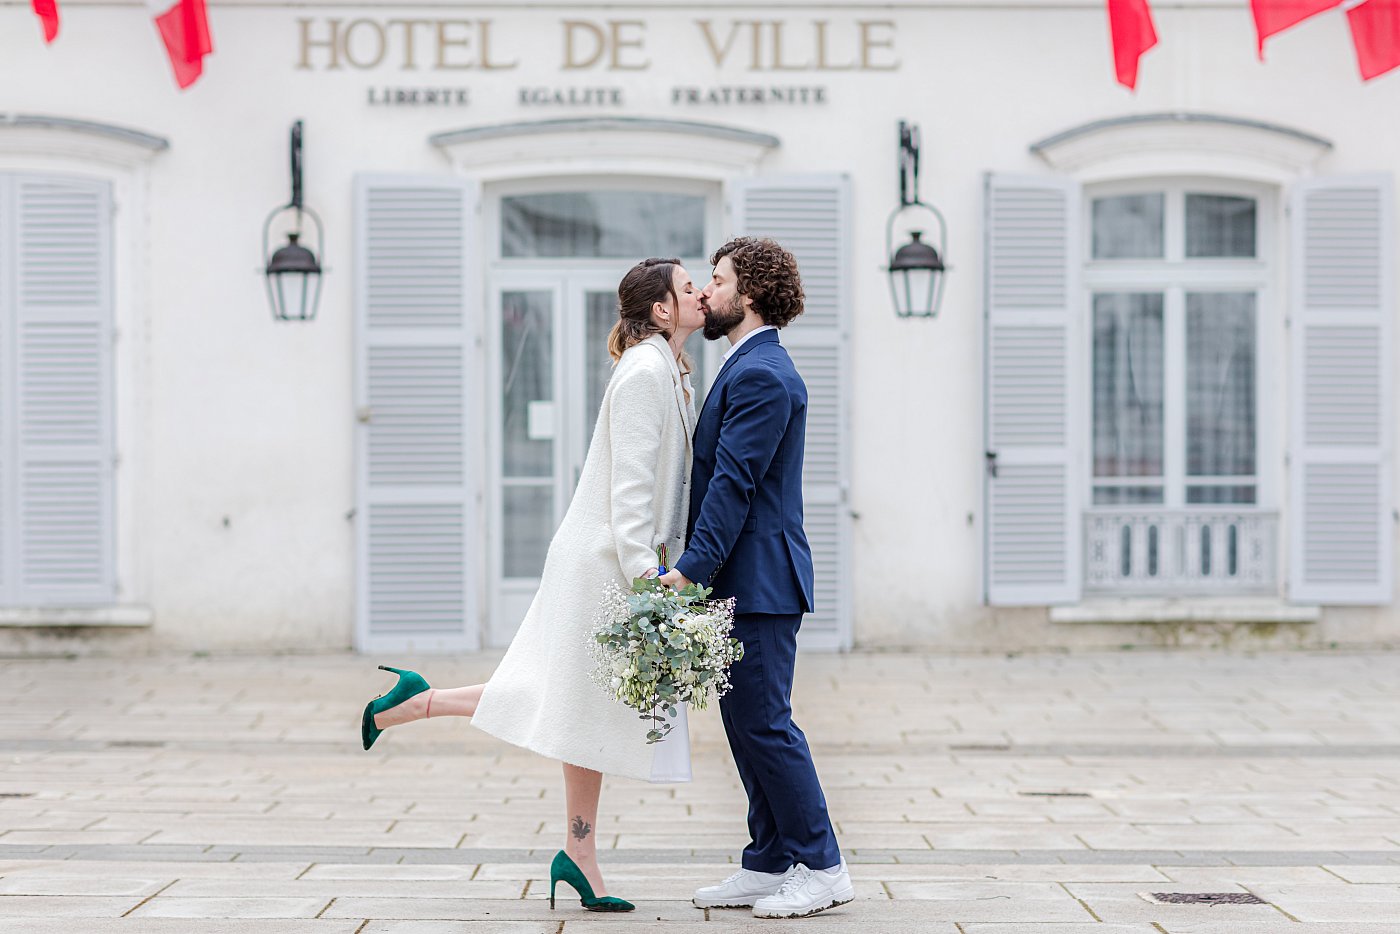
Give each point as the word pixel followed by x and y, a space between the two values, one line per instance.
pixel 675 580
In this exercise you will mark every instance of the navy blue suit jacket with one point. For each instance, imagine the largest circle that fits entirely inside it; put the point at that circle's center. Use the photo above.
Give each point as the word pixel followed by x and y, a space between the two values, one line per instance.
pixel 745 536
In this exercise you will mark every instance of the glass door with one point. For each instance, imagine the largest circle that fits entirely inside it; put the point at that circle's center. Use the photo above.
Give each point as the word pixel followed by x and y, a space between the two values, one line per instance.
pixel 530 458
pixel 556 261
pixel 551 369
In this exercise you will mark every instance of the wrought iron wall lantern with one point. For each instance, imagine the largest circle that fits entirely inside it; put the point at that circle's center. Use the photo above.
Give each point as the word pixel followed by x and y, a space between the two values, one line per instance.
pixel 916 269
pixel 293 272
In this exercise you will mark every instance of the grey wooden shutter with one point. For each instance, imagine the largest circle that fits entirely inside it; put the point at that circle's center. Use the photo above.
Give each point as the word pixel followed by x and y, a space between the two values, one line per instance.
pixel 810 216
pixel 1340 529
pixel 1032 522
pixel 416 541
pixel 58 461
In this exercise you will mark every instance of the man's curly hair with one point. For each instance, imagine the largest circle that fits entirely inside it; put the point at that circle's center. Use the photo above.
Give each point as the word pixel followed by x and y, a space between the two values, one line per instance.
pixel 767 274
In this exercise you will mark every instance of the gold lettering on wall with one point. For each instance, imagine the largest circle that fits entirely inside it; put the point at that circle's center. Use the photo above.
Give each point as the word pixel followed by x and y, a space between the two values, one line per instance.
pixel 593 35
pixel 720 53
pixel 754 45
pixel 587 43
pixel 308 43
pixel 869 42
pixel 366 43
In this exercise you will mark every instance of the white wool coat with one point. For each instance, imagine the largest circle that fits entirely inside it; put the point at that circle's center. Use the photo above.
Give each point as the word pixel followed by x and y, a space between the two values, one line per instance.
pixel 633 495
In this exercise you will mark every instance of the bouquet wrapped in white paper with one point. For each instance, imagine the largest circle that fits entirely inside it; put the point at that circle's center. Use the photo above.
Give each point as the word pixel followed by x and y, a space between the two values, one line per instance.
pixel 657 647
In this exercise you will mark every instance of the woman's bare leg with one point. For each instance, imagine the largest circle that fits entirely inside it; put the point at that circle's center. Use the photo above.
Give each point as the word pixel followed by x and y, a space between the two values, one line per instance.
pixel 581 790
pixel 434 702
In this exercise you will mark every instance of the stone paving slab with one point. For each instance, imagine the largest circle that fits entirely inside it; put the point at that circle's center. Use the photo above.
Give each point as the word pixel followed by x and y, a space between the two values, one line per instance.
pixel 971 794
pixel 181 926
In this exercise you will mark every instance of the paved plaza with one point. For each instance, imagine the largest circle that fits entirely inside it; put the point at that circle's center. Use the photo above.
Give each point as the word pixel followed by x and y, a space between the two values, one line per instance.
pixel 973 794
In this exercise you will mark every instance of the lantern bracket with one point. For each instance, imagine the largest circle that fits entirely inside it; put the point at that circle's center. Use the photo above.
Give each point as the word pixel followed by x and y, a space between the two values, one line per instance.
pixel 909 202
pixel 301 211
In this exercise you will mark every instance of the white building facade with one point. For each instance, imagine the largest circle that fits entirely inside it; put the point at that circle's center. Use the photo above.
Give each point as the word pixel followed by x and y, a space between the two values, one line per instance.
pixel 1154 408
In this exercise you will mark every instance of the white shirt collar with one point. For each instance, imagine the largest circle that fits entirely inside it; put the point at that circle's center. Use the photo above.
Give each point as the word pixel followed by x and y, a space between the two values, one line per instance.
pixel 740 342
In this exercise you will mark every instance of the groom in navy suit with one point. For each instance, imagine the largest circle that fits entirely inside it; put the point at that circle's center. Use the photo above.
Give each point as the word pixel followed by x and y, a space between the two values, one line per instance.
pixel 746 541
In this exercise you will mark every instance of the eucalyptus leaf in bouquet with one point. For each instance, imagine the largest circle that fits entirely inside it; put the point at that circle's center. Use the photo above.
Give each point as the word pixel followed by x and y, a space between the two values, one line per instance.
pixel 656 647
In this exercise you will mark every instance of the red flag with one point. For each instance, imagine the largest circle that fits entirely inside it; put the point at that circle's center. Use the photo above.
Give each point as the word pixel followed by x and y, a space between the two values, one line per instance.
pixel 1375 31
pixel 47 11
pixel 184 27
pixel 1274 16
pixel 1130 25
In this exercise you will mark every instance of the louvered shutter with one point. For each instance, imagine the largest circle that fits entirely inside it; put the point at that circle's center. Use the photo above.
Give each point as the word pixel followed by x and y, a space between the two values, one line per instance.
pixel 1340 529
pixel 58 461
pixel 810 216
pixel 417 534
pixel 1033 526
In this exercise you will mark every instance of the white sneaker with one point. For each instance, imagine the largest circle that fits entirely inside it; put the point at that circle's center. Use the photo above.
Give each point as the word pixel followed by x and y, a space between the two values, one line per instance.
pixel 806 892
pixel 740 890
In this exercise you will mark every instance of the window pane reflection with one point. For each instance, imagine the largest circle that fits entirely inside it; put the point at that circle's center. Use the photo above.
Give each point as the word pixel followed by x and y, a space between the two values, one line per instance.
pixel 1128 385
pixel 528 514
pixel 527 384
pixel 621 224
pixel 1220 494
pixel 601 309
pixel 1220 404
pixel 1219 226
pixel 1129 227
pixel 1127 495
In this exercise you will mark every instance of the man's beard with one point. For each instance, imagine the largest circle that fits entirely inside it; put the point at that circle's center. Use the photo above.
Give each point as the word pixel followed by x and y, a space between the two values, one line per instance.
pixel 720 321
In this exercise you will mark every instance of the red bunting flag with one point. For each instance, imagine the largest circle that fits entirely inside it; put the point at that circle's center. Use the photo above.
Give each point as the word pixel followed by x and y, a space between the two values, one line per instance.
pixel 1272 17
pixel 184 27
pixel 1375 31
pixel 47 11
pixel 1130 26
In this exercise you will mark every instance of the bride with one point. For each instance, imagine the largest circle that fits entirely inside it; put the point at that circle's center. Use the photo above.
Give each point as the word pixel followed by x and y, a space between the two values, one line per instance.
pixel 632 496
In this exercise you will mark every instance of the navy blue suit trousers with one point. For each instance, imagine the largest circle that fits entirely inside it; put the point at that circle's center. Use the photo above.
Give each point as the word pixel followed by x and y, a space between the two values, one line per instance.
pixel 746 541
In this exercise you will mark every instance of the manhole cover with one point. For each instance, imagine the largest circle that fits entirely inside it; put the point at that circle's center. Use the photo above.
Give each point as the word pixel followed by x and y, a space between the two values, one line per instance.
pixel 1205 898
pixel 1055 794
pixel 137 743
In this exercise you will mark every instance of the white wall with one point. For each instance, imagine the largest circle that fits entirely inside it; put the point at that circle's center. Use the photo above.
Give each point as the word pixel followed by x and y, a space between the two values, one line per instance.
pixel 252 420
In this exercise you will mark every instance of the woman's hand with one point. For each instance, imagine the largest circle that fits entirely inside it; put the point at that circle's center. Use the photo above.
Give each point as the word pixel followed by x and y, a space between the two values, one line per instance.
pixel 649 573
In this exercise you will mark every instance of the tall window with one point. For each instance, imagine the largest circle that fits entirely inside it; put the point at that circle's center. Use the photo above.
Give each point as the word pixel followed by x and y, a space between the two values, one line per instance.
pixel 1176 276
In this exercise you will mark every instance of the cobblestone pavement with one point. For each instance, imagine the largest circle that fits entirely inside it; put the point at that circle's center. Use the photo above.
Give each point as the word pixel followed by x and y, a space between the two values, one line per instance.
pixel 982 795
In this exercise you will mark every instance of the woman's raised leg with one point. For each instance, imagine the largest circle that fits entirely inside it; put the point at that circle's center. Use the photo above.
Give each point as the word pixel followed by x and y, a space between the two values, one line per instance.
pixel 434 702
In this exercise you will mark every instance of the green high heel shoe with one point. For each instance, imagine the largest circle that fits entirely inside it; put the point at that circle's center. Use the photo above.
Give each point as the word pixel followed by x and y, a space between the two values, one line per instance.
pixel 565 870
pixel 410 684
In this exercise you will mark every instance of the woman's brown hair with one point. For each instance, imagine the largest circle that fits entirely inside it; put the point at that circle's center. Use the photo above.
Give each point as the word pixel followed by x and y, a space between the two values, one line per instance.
pixel 648 282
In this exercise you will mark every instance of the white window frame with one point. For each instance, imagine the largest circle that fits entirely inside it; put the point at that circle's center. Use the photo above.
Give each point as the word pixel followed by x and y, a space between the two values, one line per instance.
pixel 1174 275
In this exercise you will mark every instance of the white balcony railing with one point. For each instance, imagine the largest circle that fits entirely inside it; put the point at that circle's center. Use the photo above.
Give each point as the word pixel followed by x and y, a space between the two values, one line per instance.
pixel 1187 551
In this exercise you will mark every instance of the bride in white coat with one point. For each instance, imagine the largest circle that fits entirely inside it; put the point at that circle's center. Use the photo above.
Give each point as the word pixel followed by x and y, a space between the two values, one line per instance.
pixel 632 496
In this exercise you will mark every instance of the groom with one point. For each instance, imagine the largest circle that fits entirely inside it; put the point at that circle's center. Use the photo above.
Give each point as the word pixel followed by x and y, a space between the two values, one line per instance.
pixel 746 541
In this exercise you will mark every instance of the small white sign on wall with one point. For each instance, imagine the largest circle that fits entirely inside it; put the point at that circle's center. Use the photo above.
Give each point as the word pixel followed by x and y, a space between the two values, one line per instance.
pixel 539 423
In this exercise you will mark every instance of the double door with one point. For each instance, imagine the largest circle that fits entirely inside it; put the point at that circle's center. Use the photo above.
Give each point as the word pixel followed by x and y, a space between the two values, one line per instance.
pixel 548 350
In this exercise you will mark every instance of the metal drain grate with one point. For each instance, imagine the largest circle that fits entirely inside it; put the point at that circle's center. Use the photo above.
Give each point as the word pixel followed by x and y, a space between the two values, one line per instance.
pixel 16 794
pixel 1055 794
pixel 979 747
pixel 1204 898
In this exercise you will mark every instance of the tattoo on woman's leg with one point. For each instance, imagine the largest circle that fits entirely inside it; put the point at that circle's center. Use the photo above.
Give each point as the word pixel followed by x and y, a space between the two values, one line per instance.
pixel 580 828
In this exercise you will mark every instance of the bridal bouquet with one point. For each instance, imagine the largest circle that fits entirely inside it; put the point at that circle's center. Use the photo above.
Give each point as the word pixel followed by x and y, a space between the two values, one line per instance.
pixel 657 647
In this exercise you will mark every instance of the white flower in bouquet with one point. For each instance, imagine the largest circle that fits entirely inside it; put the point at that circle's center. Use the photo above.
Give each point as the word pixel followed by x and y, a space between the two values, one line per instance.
pixel 656 647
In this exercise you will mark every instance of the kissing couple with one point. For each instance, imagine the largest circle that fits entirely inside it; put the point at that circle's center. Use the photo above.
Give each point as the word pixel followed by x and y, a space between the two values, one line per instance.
pixel 724 493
